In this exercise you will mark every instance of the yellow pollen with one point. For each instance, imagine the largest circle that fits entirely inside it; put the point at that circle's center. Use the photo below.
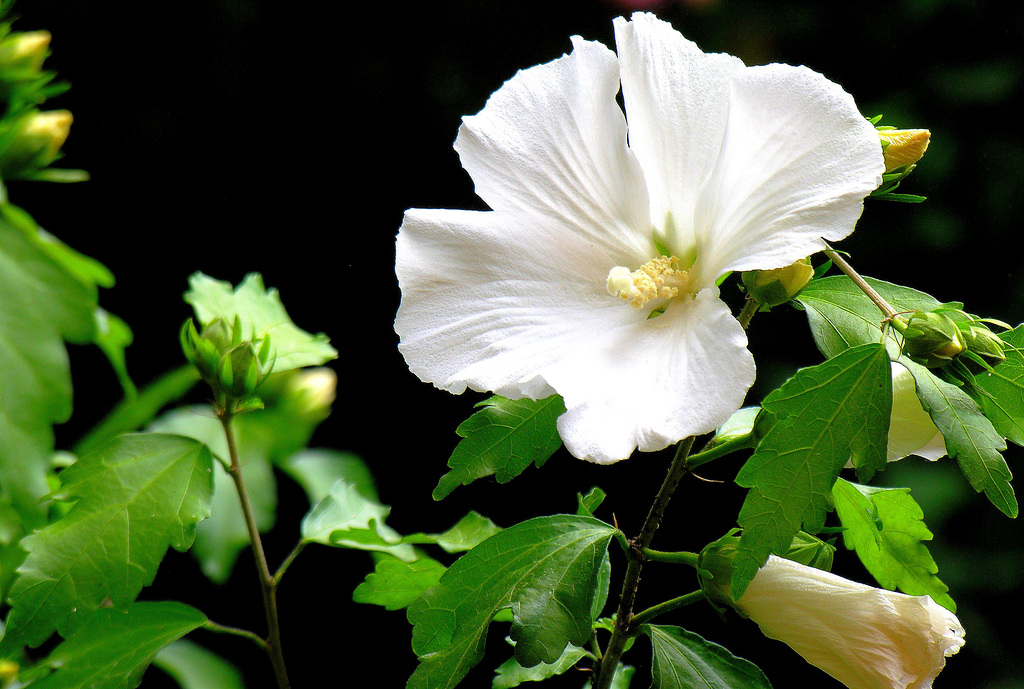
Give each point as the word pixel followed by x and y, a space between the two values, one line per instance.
pixel 659 278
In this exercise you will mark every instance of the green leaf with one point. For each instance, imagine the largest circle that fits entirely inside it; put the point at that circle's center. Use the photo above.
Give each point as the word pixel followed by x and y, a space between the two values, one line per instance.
pixel 347 519
pixel 43 302
pixel 511 674
pixel 1003 398
pixel 683 660
pixel 135 497
pixel 621 679
pixel 395 584
pixel 546 569
pixel 970 437
pixel 194 667
pixel 825 415
pixel 503 439
pixel 261 313
pixel 112 337
pixel 841 315
pixel 115 646
pixel 885 526
pixel 222 537
pixel 468 533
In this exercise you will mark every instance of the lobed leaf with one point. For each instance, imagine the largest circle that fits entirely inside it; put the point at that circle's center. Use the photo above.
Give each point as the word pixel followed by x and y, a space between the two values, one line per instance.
pixel 545 569
pixel 970 437
pixel 261 313
pixel 824 415
pixel 135 496
pixel 503 439
pixel 395 584
pixel 115 646
pixel 511 674
pixel 885 526
pixel 1003 389
pixel 684 660
pixel 348 519
pixel 468 533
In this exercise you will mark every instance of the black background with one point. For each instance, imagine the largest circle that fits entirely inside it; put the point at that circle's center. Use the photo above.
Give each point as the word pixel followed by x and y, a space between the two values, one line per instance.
pixel 288 138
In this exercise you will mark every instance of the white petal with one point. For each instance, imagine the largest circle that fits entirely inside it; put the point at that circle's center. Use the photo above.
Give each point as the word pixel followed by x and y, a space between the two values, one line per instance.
pixel 796 162
pixel 491 299
pixel 651 383
pixel 865 637
pixel 911 430
pixel 676 100
pixel 552 141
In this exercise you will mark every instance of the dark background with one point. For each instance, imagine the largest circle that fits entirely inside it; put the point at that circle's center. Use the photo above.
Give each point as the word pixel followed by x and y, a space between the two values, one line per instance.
pixel 288 138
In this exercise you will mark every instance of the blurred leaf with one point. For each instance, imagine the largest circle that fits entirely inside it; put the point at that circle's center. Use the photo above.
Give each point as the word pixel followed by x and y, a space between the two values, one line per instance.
pixel 970 437
pixel 317 470
pixel 1003 402
pixel 683 660
pixel 194 667
pixel 347 519
pixel 511 674
pixel 469 532
pixel 261 313
pixel 47 295
pixel 546 569
pixel 885 526
pixel 135 497
pixel 395 584
pixel 115 646
pixel 825 415
pixel 112 337
pixel 503 439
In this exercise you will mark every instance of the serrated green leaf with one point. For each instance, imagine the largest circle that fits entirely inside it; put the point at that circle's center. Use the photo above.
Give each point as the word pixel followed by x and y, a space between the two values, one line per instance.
pixel 1003 401
pixel 503 439
pixel 115 646
pixel 194 667
pixel 841 315
pixel 825 414
pixel 970 437
pixel 683 660
pixel 135 496
pixel 261 313
pixel 42 304
pixel 395 584
pixel 347 519
pixel 511 674
pixel 885 526
pixel 546 569
pixel 468 533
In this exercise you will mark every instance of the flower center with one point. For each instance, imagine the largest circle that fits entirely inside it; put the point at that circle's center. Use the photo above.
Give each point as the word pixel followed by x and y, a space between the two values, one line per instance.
pixel 659 278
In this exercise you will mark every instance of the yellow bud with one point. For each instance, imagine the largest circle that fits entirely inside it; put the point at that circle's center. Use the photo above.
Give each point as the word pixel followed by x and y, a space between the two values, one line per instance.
pixel 777 286
pixel 36 142
pixel 901 147
pixel 24 52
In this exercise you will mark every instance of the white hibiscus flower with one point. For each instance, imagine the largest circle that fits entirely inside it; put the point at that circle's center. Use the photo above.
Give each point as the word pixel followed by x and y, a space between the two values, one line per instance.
pixel 726 168
pixel 865 637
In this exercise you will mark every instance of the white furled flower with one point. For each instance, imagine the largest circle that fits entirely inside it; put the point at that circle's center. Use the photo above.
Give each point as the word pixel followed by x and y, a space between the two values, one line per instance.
pixel 594 276
pixel 911 430
pixel 865 637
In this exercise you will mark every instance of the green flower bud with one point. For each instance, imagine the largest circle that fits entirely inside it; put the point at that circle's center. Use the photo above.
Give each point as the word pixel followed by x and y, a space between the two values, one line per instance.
pixel 982 343
pixel 932 339
pixel 34 142
pixel 22 54
pixel 775 287
pixel 232 367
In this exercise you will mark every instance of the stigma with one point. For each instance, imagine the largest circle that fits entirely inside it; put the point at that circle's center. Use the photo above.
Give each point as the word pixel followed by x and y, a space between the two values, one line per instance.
pixel 659 278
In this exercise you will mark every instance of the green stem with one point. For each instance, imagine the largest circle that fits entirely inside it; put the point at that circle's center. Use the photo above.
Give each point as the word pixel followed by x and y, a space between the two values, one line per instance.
pixel 288 561
pixel 750 307
pixel 661 608
pixel 235 631
pixel 679 558
pixel 605 671
pixel 875 297
pixel 267 582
